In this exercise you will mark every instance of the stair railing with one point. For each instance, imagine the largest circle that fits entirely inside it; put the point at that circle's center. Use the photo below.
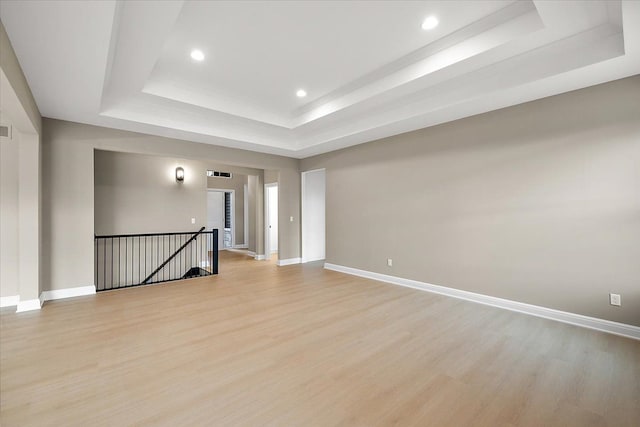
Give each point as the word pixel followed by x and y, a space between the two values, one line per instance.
pixel 126 260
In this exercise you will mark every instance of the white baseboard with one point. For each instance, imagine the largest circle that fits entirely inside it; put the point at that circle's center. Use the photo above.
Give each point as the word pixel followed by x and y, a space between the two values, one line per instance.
pixel 11 301
pixel 240 247
pixel 256 256
pixel 28 305
pixel 534 310
pixel 67 293
pixel 289 261
pixel 36 304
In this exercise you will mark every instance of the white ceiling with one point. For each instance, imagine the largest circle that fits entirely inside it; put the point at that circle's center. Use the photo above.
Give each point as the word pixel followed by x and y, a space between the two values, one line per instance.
pixel 369 69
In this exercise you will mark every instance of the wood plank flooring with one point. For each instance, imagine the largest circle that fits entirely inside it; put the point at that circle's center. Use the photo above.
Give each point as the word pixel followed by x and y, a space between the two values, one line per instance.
pixel 261 345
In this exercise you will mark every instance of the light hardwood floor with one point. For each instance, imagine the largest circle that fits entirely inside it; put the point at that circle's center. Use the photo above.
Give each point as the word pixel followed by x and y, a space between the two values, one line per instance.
pixel 300 346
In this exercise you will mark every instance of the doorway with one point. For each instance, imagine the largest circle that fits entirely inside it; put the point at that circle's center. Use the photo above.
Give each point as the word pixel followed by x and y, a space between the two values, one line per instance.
pixel 220 215
pixel 313 215
pixel 271 219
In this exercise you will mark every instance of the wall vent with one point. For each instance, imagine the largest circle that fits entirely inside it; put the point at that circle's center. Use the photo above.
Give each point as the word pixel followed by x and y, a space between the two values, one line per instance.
pixel 218 174
pixel 5 131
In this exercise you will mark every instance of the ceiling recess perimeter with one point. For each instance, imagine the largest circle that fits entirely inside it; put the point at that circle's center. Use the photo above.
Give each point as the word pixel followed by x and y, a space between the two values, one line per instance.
pixel 369 69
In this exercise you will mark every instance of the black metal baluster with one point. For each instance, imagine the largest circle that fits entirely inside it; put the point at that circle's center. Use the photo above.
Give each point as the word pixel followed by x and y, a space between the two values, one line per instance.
pixel 163 271
pixel 96 266
pixel 126 259
pixel 104 267
pixel 97 263
pixel 157 254
pixel 214 236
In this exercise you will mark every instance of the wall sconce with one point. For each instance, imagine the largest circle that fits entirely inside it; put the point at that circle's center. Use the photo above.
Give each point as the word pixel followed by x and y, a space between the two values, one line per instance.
pixel 179 174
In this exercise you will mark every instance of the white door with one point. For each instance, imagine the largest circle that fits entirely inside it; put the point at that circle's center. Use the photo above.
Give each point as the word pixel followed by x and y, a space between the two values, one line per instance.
pixel 246 215
pixel 313 215
pixel 270 219
pixel 273 218
pixel 215 214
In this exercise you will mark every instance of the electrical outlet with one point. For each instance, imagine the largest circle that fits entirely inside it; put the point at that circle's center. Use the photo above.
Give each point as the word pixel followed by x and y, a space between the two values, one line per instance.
pixel 615 299
pixel 193 220
pixel 389 262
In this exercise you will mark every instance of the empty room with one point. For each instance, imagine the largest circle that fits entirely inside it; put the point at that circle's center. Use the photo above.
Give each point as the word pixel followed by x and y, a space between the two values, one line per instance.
pixel 320 213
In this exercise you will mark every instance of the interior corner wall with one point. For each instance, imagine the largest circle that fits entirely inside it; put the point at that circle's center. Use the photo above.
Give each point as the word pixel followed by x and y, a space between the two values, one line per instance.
pixel 9 215
pixel 68 179
pixel 537 203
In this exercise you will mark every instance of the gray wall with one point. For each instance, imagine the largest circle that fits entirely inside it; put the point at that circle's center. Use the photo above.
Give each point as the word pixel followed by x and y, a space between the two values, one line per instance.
pixel 9 215
pixel 289 245
pixel 538 203
pixel 68 169
pixel 137 193
pixel 18 104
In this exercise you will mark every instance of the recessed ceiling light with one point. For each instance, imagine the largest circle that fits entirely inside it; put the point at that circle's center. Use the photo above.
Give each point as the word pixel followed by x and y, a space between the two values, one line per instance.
pixel 197 55
pixel 301 93
pixel 430 23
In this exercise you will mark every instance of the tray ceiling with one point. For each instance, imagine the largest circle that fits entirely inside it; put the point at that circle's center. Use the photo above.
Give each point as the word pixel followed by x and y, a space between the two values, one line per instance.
pixel 368 68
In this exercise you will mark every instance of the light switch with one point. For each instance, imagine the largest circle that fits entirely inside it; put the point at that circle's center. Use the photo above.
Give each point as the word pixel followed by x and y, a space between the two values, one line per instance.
pixel 290 219
pixel 193 220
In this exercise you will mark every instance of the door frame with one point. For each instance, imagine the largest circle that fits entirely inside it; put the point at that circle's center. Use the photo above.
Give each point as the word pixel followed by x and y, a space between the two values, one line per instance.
pixel 267 239
pixel 233 216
